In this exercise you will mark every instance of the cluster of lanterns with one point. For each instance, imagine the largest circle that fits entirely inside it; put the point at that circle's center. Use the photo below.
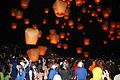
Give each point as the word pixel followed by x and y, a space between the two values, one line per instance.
pixel 62 11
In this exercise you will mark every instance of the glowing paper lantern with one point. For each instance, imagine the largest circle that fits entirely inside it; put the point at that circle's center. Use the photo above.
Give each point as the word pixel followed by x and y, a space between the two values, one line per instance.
pixel 80 27
pixel 19 14
pixel 105 27
pixel 59 45
pixel 42 50
pixel 67 14
pixel 26 21
pixel 112 24
pixel 62 35
pixel 65 46
pixel 24 4
pixel 52 31
pixel 46 10
pixel 86 54
pixel 86 41
pixel 97 1
pixel 13 12
pixel 44 21
pixel 70 23
pixel 31 36
pixel 78 2
pixel 54 39
pixel 57 21
pixel 99 8
pixel 106 14
pixel 79 50
pixel 111 31
pixel 104 41
pixel 14 25
pixel 59 8
pixel 33 54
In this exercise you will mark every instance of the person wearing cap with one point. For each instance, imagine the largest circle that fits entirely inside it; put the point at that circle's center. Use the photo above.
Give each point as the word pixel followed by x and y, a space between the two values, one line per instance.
pixel 81 72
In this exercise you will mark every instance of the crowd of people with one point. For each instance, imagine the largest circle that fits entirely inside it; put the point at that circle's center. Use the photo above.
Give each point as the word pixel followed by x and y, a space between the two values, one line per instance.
pixel 55 67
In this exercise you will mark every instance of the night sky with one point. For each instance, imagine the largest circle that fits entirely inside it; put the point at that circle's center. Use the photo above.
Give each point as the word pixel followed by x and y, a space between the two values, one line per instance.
pixel 35 12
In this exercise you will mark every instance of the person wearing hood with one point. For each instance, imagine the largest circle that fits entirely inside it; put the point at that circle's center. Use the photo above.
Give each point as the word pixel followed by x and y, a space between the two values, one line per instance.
pixel 81 72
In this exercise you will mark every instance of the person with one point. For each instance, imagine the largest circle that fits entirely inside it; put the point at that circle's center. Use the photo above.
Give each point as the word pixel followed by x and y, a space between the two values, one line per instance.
pixel 117 77
pixel 81 72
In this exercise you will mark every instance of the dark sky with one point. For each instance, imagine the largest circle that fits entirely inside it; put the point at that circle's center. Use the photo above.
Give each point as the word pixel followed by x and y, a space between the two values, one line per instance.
pixel 35 14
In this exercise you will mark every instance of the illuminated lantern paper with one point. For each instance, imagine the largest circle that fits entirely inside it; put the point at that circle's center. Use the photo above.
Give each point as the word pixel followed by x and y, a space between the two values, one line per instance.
pixel 54 39
pixel 62 35
pixel 97 1
pixel 70 23
pixel 86 54
pixel 99 8
pixel 40 34
pixel 24 4
pixel 80 27
pixel 78 2
pixel 13 12
pixel 84 9
pixel 67 14
pixel 65 46
pixel 78 19
pixel 59 8
pixel 106 14
pixel 14 25
pixel 48 37
pixel 112 24
pixel 26 21
pixel 46 10
pixel 52 31
pixel 44 21
pixel 33 54
pixel 31 36
pixel 86 41
pixel 62 26
pixel 79 50
pixel 42 50
pixel 111 31
pixel 57 21
pixel 19 14
pixel 105 27
pixel 105 41
pixel 59 45
pixel 118 25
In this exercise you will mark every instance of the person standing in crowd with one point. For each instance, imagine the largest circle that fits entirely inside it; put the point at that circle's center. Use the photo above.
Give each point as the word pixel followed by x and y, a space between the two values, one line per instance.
pixel 81 72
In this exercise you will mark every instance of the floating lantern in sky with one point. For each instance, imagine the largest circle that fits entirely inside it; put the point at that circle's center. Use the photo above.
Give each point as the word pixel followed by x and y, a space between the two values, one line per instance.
pixel 79 50
pixel 14 25
pixel 97 1
pixel 54 39
pixel 13 12
pixel 86 54
pixel 65 46
pixel 19 14
pixel 26 21
pixel 78 2
pixel 59 45
pixel 42 50
pixel 24 4
pixel 59 8
pixel 46 10
pixel 62 35
pixel 33 54
pixel 86 41
pixel 31 36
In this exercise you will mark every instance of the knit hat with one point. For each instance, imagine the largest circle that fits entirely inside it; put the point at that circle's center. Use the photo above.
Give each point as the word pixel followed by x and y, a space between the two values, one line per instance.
pixel 80 64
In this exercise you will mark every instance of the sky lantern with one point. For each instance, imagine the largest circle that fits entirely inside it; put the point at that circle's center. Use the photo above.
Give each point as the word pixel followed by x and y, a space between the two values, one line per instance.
pixel 118 25
pixel 44 21
pixel 84 9
pixel 40 34
pixel 62 26
pixel 65 46
pixel 118 37
pixel 79 50
pixel 112 24
pixel 111 31
pixel 52 31
pixel 13 25
pixel 97 1
pixel 33 54
pixel 68 34
pixel 78 2
pixel 78 19
pixel 26 21
pixel 83 1
pixel 57 21
pixel 46 10
pixel 42 50
pixel 112 38
pixel 86 54
pixel 31 36
pixel 105 26
pixel 70 22
pixel 80 27
pixel 104 41
pixel 59 45
pixel 62 35
pixel 24 4
pixel 13 12
pixel 54 39
pixel 99 8
pixel 86 41
pixel 67 14
pixel 48 37
pixel 106 14
pixel 59 8
pixel 118 32
pixel 19 14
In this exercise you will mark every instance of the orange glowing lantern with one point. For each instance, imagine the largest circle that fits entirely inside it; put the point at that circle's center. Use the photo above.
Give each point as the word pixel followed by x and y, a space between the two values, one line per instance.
pixel 79 19
pixel 59 45
pixel 54 39
pixel 99 8
pixel 59 8
pixel 62 35
pixel 104 41
pixel 52 31
pixel 70 23
pixel 93 13
pixel 84 9
pixel 67 38
pixel 106 14
pixel 118 37
pixel 31 36
pixel 62 26
pixel 86 41
pixel 65 46
pixel 67 14
pixel 78 2
pixel 80 27
pixel 118 25
pixel 44 21
pixel 68 34
pixel 97 1
pixel 86 54
pixel 90 5
pixel 83 1
pixel 105 27
pixel 13 12
pixel 57 21
pixel 19 14
pixel 33 54
pixel 14 25
pixel 26 21
pixel 48 37
pixel 46 10
pixel 42 50
pixel 118 32
pixel 40 34
pixel 112 31
pixel 79 50
pixel 112 38
pixel 112 24
pixel 24 4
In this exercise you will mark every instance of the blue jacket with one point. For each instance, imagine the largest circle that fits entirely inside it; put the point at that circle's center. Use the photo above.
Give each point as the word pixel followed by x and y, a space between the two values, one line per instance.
pixel 51 74
pixel 81 73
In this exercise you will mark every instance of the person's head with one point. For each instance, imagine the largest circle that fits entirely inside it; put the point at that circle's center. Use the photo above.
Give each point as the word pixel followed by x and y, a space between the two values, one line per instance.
pixel 80 64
